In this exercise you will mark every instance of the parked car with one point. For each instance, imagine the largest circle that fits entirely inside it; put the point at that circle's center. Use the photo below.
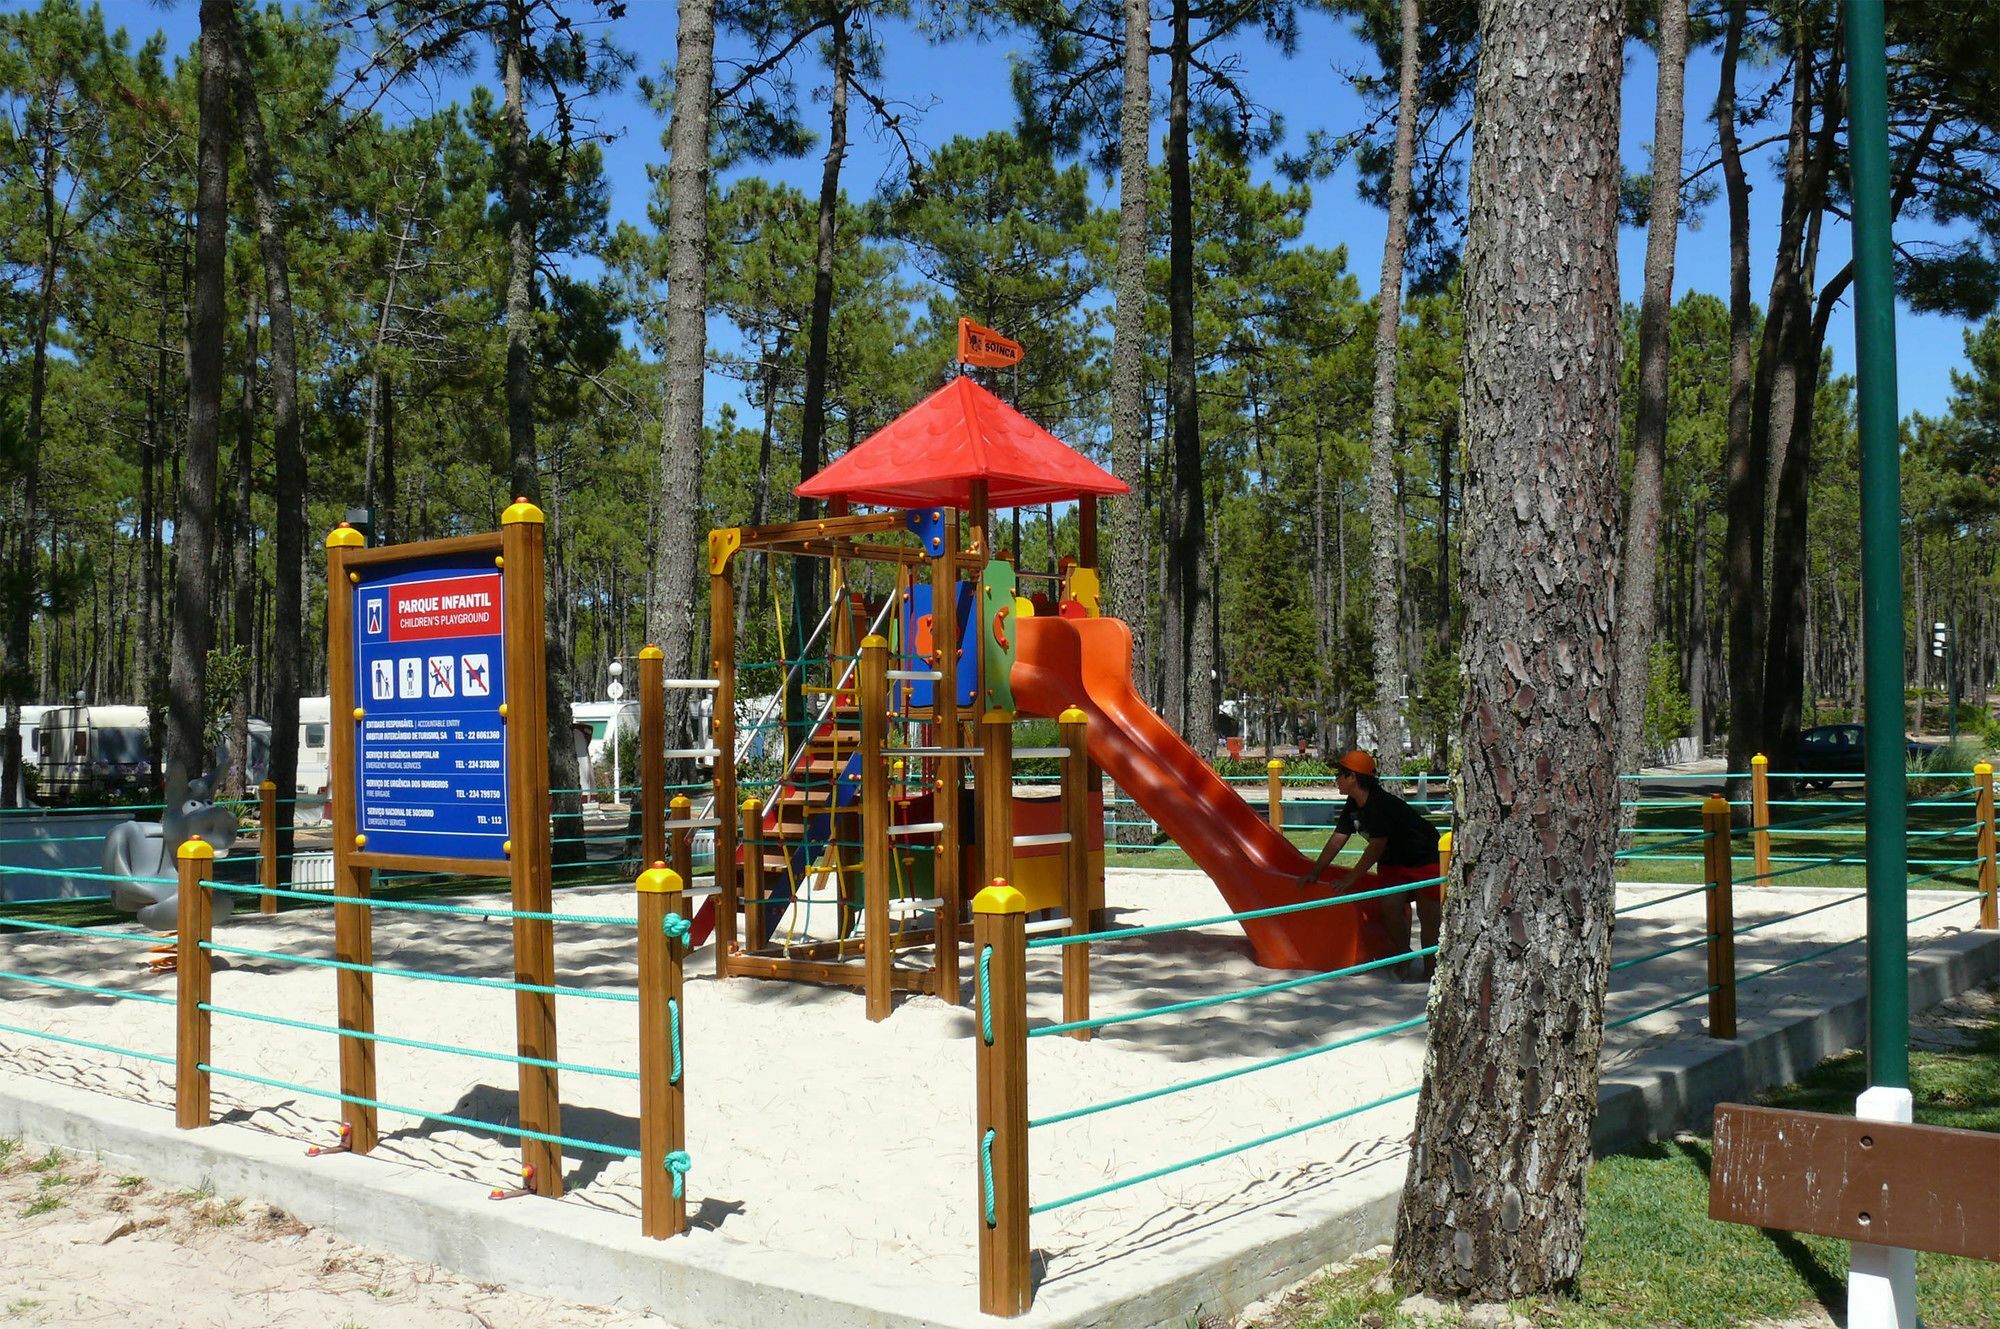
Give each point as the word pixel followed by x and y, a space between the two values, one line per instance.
pixel 1836 750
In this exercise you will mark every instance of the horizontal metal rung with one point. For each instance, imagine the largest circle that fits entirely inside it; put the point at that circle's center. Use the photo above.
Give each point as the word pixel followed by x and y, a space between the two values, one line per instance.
pixel 1041 752
pixel 691 684
pixel 696 824
pixel 916 906
pixel 1056 837
pixel 917 675
pixel 933 752
pixel 1049 925
pixel 918 828
pixel 692 752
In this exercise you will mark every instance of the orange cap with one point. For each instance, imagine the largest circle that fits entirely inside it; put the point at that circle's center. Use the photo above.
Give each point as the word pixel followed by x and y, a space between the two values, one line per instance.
pixel 1358 762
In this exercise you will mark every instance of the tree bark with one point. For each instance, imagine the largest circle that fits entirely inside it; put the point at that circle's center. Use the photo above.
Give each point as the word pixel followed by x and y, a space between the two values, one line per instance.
pixel 1493 1205
pixel 1126 575
pixel 243 567
pixel 1743 534
pixel 524 468
pixel 1383 517
pixel 683 522
pixel 1638 579
pixel 194 523
pixel 1189 590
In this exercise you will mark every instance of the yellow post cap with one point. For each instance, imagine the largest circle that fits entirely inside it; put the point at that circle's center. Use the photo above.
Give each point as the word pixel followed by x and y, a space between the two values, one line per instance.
pixel 874 639
pixel 1983 768
pixel 751 805
pixel 658 881
pixel 1715 803
pixel 680 801
pixel 1073 715
pixel 344 536
pixel 268 784
pixel 522 511
pixel 999 898
pixel 1275 764
pixel 997 717
pixel 195 849
pixel 651 653
pixel 1444 842
pixel 1760 760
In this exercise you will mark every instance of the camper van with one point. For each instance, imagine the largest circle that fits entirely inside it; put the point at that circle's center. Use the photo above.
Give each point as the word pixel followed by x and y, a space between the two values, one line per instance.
pixel 315 762
pixel 88 752
pixel 31 720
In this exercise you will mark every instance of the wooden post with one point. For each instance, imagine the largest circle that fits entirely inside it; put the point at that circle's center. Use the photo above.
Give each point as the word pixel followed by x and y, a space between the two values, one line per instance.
pixel 1274 778
pixel 652 757
pixel 722 737
pixel 1086 531
pixel 945 802
pixel 996 796
pixel 353 918
pixel 1760 817
pixel 662 1066
pixel 1000 1059
pixel 754 923
pixel 680 839
pixel 1076 867
pixel 267 846
pixel 877 873
pixel 526 715
pixel 1989 889
pixel 194 912
pixel 1721 922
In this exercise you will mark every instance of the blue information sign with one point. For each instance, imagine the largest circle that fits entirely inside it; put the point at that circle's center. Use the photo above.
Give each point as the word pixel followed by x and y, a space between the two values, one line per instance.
pixel 431 747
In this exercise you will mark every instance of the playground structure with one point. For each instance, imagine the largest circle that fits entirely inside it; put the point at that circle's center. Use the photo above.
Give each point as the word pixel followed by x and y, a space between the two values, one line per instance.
pixel 897 798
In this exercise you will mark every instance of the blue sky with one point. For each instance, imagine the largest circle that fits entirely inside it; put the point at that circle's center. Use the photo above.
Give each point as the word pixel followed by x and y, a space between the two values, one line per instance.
pixel 963 87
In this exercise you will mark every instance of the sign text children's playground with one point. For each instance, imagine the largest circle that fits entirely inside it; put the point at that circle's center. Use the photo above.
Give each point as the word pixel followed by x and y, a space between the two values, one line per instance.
pixel 429 679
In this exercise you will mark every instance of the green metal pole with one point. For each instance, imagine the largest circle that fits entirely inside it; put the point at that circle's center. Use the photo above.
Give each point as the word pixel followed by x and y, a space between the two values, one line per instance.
pixel 1881 552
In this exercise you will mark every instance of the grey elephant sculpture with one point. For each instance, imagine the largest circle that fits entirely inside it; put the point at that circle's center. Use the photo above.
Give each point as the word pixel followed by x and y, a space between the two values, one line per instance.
pixel 142 853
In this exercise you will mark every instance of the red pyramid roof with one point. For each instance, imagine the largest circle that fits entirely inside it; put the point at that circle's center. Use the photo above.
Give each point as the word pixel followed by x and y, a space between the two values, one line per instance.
pixel 931 454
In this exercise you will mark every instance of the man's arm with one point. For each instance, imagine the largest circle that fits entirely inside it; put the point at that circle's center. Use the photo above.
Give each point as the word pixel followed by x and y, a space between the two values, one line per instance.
pixel 1369 858
pixel 1332 850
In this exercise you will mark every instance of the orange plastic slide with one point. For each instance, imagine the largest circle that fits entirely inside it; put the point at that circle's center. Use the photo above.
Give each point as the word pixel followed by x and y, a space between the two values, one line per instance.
pixel 1087 662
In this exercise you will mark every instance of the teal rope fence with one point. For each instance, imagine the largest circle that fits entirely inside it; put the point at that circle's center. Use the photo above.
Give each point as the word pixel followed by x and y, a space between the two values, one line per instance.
pixel 470 1123
pixel 92 989
pixel 423 907
pixel 477 1054
pixel 1155 929
pixel 111 1048
pixel 506 985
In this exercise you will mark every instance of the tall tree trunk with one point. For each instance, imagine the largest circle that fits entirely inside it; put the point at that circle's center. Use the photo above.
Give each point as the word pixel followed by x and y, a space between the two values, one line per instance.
pixel 1743 535
pixel 1639 576
pixel 1698 631
pixel 194 521
pixel 1493 1206
pixel 288 457
pixel 683 523
pixel 524 470
pixel 812 423
pixel 1126 575
pixel 1384 521
pixel 243 553
pixel 1190 598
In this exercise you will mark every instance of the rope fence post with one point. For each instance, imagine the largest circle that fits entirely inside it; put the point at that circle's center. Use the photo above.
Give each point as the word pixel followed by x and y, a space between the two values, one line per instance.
pixel 267 846
pixel 1989 888
pixel 877 872
pixel 753 873
pixel 1721 921
pixel 194 913
pixel 1274 777
pixel 996 795
pixel 1076 867
pixel 652 755
pixel 664 934
pixel 1760 816
pixel 1000 1062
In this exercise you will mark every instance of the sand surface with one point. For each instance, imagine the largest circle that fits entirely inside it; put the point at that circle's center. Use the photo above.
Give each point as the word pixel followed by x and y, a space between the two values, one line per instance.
pixel 813 1131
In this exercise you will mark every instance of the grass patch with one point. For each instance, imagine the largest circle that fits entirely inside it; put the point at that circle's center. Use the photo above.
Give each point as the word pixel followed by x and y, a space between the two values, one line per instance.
pixel 9 1146
pixel 48 1162
pixel 1652 1257
pixel 41 1204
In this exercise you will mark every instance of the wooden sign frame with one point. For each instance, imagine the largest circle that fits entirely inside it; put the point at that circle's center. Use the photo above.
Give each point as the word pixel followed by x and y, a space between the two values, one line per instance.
pixel 516 550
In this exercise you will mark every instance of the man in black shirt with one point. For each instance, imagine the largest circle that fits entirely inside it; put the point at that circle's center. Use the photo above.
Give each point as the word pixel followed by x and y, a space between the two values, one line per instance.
pixel 1402 847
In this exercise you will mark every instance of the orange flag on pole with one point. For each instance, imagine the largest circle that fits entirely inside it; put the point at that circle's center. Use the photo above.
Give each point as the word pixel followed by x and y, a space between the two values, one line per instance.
pixel 981 345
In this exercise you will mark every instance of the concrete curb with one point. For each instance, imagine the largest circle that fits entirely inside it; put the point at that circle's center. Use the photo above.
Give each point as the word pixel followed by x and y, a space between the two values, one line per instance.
pixel 708 1282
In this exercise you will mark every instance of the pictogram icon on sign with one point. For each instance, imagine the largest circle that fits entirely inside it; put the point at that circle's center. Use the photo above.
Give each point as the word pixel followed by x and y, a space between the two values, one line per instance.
pixel 477 674
pixel 409 677
pixel 381 683
pixel 374 617
pixel 438 670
